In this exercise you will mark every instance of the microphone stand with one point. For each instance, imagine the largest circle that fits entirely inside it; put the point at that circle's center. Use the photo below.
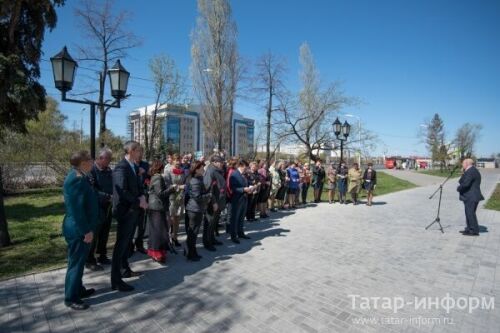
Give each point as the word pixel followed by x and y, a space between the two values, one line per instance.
pixel 440 190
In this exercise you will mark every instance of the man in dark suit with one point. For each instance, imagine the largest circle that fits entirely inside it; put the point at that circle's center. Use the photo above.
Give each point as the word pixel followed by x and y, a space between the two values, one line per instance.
pixel 470 194
pixel 240 190
pixel 216 184
pixel 101 178
pixel 128 199
pixel 140 231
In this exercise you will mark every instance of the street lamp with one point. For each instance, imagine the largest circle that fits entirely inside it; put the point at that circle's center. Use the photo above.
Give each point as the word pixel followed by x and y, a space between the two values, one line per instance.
pixel 341 130
pixel 118 76
pixel 64 70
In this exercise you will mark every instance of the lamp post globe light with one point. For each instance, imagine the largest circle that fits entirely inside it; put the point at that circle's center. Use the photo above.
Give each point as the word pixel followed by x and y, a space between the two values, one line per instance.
pixel 342 132
pixel 118 76
pixel 64 70
pixel 346 129
pixel 337 127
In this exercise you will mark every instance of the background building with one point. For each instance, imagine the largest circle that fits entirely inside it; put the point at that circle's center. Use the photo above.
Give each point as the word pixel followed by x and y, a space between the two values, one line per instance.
pixel 180 129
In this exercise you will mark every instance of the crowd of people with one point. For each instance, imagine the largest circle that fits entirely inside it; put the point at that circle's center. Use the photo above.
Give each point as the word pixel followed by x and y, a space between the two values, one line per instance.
pixel 155 197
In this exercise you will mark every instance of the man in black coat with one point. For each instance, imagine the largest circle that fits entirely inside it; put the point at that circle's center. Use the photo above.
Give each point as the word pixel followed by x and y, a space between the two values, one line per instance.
pixel 240 190
pixel 128 199
pixel 214 181
pixel 101 178
pixel 144 179
pixel 470 194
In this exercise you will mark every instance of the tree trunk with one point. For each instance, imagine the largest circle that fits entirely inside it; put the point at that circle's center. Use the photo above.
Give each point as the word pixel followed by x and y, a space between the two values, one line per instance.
pixel 268 126
pixel 220 141
pixel 102 123
pixel 230 148
pixel 4 230
pixel 146 137
pixel 150 150
pixel 311 155
pixel 102 110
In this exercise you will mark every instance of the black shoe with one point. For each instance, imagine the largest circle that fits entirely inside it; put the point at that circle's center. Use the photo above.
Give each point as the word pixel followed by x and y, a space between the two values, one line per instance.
pixel 176 242
pixel 103 260
pixel 141 250
pixel 193 258
pixel 235 240
pixel 87 293
pixel 130 274
pixel 210 248
pixel 243 236
pixel 79 306
pixel 121 286
pixel 471 234
pixel 217 242
pixel 94 267
pixel 464 231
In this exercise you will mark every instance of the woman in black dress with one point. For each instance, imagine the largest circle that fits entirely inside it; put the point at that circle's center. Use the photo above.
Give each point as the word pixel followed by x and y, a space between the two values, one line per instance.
pixel 369 182
pixel 280 196
pixel 265 189
pixel 342 182
pixel 158 205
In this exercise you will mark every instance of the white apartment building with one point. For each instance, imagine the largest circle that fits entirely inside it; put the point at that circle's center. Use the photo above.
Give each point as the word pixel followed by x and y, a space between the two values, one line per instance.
pixel 181 130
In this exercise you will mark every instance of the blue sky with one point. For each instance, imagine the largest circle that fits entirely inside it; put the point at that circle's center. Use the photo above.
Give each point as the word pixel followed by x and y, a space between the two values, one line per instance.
pixel 405 59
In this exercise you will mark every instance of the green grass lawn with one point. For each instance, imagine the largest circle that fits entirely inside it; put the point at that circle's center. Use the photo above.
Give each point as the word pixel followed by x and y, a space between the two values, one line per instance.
pixel 35 220
pixel 385 184
pixel 444 173
pixel 35 227
pixel 494 200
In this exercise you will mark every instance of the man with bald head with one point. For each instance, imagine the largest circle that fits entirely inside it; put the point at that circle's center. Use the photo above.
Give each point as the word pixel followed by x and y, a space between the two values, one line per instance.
pixel 470 194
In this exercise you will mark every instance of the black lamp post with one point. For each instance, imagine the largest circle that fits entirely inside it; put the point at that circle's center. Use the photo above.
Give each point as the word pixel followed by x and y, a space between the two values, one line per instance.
pixel 341 130
pixel 64 70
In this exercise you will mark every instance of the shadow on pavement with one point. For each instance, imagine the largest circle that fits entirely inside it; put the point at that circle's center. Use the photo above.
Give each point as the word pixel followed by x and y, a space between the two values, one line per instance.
pixel 166 296
pixel 483 228
pixel 177 268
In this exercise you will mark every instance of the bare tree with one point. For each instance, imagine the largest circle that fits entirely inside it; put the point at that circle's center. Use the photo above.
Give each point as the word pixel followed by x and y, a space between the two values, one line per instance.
pixel 170 89
pixel 267 86
pixel 215 69
pixel 309 116
pixel 364 138
pixel 107 41
pixel 466 138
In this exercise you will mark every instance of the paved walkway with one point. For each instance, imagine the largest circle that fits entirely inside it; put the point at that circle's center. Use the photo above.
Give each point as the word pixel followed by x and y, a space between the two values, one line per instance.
pixel 415 177
pixel 296 274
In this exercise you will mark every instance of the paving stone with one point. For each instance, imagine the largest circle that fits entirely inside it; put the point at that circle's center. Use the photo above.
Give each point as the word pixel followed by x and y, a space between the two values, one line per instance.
pixel 294 275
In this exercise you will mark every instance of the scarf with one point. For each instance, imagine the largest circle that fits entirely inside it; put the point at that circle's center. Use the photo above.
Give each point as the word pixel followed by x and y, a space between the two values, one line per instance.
pixel 177 172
